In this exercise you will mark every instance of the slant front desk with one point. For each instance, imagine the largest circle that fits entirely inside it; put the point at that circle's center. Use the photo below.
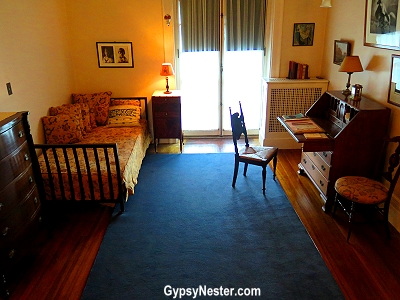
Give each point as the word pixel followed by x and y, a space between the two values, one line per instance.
pixel 355 131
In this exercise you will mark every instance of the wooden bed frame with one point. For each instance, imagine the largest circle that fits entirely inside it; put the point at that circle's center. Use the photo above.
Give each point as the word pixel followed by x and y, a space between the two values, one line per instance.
pixel 84 169
pixel 107 191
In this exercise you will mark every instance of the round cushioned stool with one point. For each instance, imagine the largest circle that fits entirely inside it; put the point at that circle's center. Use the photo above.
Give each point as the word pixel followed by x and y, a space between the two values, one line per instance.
pixel 360 190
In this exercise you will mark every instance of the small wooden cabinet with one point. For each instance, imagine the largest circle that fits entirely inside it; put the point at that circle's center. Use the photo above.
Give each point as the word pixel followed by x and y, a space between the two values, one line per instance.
pixel 20 208
pixel 356 132
pixel 167 120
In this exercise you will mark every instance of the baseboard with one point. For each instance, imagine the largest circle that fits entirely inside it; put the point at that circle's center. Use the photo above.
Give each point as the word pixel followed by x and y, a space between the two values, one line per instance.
pixel 282 140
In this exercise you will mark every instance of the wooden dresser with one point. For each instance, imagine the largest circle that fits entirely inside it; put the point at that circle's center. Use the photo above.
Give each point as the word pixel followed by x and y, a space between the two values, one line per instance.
pixel 167 119
pixel 355 131
pixel 20 213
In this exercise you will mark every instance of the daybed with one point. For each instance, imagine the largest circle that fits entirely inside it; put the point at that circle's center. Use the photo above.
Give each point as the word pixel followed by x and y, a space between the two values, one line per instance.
pixel 94 148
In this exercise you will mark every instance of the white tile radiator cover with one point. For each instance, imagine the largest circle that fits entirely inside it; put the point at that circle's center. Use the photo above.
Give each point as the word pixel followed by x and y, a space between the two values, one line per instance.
pixel 283 96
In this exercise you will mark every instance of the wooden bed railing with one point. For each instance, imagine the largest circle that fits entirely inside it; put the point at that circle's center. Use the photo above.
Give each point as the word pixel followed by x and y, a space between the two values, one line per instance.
pixel 69 154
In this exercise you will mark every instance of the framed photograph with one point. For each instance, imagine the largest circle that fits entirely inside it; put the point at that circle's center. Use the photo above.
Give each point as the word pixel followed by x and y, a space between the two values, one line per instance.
pixel 341 49
pixel 303 34
pixel 115 55
pixel 394 87
pixel 381 28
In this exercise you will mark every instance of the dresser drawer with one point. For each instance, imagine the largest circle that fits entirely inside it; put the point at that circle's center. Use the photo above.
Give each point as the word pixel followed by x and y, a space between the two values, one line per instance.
pixel 22 244
pixel 16 191
pixel 12 139
pixel 15 163
pixel 319 180
pixel 18 217
pixel 167 114
pixel 166 104
pixel 326 156
pixel 319 162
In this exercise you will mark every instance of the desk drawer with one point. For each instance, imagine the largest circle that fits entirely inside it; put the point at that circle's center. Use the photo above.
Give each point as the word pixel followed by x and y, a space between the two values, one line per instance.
pixel 319 180
pixel 320 163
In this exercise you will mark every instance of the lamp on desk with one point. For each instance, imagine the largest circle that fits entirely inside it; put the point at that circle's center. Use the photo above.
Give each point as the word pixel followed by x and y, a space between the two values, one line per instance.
pixel 167 70
pixel 350 65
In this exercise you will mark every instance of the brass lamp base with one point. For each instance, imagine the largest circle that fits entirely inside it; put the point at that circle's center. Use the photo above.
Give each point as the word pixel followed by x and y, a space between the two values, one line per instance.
pixel 346 92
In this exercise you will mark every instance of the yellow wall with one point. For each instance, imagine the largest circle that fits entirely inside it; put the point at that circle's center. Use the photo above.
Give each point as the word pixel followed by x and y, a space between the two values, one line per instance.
pixel 34 58
pixel 139 22
pixel 303 11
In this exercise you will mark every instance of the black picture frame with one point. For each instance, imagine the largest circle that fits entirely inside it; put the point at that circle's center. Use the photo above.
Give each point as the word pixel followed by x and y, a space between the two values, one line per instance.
pixel 340 50
pixel 303 34
pixel 115 54
pixel 382 32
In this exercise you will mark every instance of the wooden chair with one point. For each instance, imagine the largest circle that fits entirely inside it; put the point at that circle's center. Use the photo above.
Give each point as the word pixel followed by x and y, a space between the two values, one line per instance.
pixel 357 191
pixel 256 155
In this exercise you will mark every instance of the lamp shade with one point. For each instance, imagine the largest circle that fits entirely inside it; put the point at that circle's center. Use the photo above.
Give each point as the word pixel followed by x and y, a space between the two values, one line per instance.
pixel 351 64
pixel 166 69
pixel 326 3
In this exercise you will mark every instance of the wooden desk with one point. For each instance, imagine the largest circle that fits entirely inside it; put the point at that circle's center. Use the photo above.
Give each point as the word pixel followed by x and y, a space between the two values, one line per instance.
pixel 355 132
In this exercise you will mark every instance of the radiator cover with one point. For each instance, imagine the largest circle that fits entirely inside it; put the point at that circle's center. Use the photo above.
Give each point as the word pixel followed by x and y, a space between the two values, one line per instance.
pixel 283 96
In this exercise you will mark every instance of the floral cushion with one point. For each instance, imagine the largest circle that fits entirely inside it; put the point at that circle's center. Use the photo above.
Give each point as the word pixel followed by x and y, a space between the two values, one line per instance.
pixel 123 115
pixel 361 190
pixel 98 106
pixel 81 111
pixel 62 129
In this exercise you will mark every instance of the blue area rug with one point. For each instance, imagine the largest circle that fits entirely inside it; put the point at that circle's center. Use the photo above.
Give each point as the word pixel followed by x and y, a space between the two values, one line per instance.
pixel 186 231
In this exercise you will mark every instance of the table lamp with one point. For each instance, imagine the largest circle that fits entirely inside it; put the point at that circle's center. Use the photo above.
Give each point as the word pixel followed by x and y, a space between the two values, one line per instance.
pixel 350 65
pixel 167 70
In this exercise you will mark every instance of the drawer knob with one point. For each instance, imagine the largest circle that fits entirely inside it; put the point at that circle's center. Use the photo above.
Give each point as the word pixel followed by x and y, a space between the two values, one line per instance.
pixel 21 134
pixel 321 183
pixel 323 168
pixel 26 156
pixel 313 167
pixel 325 154
pixel 304 160
pixel 11 253
pixel 35 200
pixel 30 179
pixel 5 231
pixel 315 153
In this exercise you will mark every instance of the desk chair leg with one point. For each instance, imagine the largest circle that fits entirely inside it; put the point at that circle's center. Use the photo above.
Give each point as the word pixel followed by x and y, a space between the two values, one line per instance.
pixel 245 169
pixel 335 203
pixel 264 176
pixel 235 172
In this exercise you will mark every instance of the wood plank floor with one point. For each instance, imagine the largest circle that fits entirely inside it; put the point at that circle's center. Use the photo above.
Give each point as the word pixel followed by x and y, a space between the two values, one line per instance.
pixel 366 268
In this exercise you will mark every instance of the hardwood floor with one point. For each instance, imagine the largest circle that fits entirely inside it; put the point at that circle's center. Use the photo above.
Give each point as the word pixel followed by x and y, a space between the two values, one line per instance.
pixel 368 267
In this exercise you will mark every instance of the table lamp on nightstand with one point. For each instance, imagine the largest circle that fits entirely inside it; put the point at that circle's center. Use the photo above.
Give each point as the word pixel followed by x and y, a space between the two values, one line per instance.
pixel 167 70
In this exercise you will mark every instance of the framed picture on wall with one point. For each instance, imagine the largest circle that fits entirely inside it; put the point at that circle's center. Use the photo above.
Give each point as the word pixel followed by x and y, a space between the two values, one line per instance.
pixel 303 34
pixel 380 27
pixel 341 49
pixel 394 87
pixel 114 55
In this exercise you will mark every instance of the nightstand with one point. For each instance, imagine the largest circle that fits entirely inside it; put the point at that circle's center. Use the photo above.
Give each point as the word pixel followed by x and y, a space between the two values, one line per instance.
pixel 167 120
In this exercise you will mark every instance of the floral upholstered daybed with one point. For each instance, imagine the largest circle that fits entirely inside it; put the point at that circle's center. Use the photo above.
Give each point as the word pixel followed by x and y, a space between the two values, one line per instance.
pixel 94 148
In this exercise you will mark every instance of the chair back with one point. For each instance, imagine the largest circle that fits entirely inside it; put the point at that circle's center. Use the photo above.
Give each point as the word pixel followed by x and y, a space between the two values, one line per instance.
pixel 393 171
pixel 238 127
